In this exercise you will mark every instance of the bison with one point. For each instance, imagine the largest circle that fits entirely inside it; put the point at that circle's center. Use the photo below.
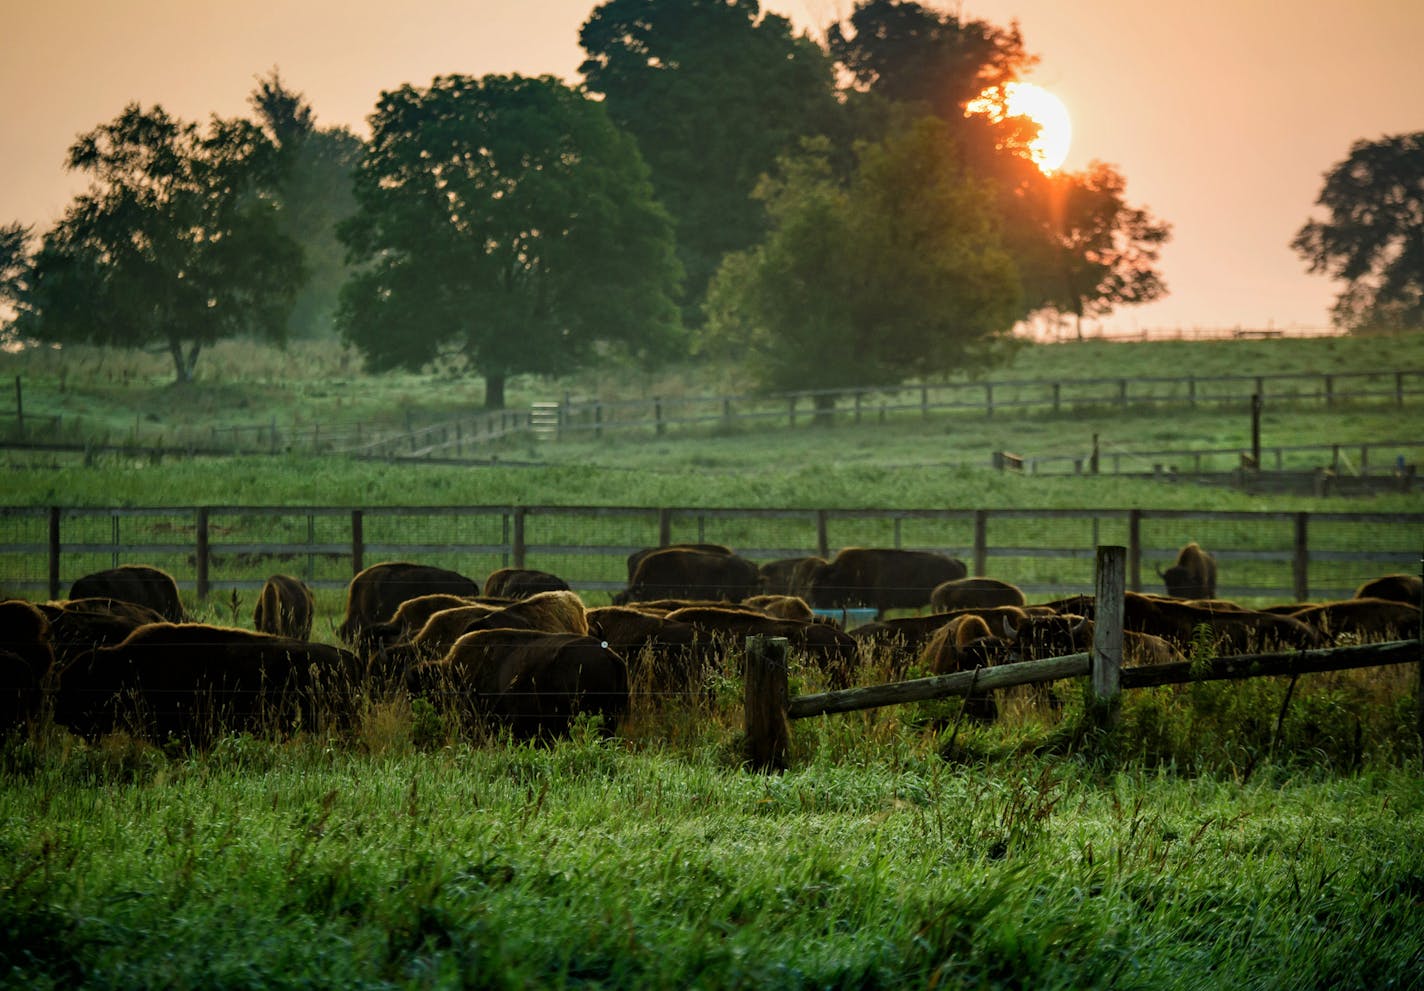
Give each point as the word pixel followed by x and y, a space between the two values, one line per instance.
pixel 285 608
pixel 882 578
pixel 1193 576
pixel 194 681
pixel 550 612
pixel 1232 630
pixel 779 577
pixel 966 643
pixel 664 656
pixel 972 593
pixel 26 660
pixel 79 625
pixel 139 583
pixel 376 593
pixel 1362 619
pixel 832 650
pixel 520 583
pixel 679 572
pixel 532 683
pixel 1400 588
pixel 636 558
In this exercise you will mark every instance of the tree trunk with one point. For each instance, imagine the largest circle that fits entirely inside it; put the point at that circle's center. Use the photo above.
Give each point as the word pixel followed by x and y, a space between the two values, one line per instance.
pixel 494 391
pixel 181 366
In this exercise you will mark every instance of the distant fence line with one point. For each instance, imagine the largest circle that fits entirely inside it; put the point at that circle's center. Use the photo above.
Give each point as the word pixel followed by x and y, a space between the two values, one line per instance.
pixel 571 417
pixel 214 548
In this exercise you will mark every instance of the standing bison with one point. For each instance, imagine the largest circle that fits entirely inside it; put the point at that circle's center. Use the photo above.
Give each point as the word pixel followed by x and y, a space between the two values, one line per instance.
pixel 285 607
pixel 520 583
pixel 138 583
pixel 1193 576
pixel 376 593
pixel 974 593
pixel 687 573
pixel 882 578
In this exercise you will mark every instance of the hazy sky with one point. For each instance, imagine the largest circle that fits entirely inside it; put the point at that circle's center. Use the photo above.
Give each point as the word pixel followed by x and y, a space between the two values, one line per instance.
pixel 1222 114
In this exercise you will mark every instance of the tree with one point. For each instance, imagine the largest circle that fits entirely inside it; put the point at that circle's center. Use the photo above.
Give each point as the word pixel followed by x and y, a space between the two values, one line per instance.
pixel 713 91
pixel 1093 251
pixel 175 243
pixel 314 194
pixel 896 273
pixel 507 223
pixel 1373 235
pixel 14 268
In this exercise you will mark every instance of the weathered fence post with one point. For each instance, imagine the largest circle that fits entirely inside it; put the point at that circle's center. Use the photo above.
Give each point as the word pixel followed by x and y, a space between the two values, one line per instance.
pixel 989 400
pixel 518 549
pixel 1256 403
pixel 1107 635
pixel 659 425
pixel 358 541
pixel 823 543
pixel 1134 549
pixel 664 527
pixel 202 553
pixel 54 552
pixel 768 729
pixel 981 542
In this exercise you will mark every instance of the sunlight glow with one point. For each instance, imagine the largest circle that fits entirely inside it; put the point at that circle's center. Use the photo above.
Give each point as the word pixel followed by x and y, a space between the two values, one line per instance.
pixel 1055 127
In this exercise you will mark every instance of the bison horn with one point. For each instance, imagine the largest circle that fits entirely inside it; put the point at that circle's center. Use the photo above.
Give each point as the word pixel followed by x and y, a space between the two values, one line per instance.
pixel 1079 626
pixel 1010 633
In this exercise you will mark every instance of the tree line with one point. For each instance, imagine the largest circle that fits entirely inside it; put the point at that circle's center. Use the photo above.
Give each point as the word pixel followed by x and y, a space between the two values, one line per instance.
pixel 826 214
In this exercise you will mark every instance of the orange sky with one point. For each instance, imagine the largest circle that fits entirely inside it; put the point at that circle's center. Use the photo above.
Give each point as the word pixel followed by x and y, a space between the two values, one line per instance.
pixel 1222 114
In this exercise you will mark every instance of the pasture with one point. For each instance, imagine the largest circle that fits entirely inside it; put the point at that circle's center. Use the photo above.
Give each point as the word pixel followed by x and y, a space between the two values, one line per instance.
pixel 1261 833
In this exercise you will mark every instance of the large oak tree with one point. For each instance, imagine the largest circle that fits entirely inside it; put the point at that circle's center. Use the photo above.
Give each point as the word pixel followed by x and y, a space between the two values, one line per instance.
pixel 175 243
pixel 505 222
pixel 1372 237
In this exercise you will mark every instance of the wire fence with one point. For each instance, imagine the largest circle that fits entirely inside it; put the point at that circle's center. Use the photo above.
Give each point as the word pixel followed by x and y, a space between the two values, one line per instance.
pixel 1048 553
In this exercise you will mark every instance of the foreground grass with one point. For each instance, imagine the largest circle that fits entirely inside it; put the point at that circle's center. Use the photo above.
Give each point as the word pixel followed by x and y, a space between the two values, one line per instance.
pixel 588 864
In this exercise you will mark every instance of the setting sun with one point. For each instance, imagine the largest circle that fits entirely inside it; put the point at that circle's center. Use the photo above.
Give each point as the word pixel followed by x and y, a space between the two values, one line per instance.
pixel 1055 128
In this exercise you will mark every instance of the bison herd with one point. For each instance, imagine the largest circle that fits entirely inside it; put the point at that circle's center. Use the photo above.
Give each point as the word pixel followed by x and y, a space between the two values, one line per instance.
pixel 525 655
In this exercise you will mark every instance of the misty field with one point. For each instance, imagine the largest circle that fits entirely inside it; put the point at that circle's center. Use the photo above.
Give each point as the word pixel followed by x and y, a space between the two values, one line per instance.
pixel 1253 834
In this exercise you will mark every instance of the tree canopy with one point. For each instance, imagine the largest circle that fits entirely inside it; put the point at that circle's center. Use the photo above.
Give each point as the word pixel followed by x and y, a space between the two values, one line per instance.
pixel 175 243
pixel 1372 237
pixel 505 223
pixel 896 272
pixel 713 91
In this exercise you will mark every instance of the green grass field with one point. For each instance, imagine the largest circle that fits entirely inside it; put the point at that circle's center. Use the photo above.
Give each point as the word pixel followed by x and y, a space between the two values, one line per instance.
pixel 1253 834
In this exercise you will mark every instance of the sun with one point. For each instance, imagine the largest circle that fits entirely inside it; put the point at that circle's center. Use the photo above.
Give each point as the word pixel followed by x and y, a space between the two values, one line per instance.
pixel 1055 128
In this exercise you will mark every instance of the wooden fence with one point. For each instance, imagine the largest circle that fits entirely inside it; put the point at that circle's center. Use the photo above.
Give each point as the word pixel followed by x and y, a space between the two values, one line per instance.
pixel 769 707
pixel 1278 556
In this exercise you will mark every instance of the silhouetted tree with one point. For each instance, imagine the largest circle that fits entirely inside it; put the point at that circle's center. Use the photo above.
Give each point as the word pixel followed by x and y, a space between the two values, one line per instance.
pixel 1373 234
pixel 175 243
pixel 507 223
pixel 713 91
pixel 896 273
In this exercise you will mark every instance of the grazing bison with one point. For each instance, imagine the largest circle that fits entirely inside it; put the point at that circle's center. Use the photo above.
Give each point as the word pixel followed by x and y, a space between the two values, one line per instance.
pixel 520 583
pixel 531 682
pixel 1400 588
pixel 966 643
pixel 664 656
pixel 685 573
pixel 137 583
pixel 376 593
pixel 832 650
pixel 974 593
pixel 1193 576
pixel 26 660
pixel 79 625
pixel 285 608
pixel 882 578
pixel 1232 630
pixel 636 558
pixel 779 577
pixel 549 612
pixel 782 607
pixel 195 681
pixel 1362 619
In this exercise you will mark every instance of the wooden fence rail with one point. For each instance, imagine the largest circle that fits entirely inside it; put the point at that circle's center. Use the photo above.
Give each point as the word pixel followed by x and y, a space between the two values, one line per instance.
pixel 770 707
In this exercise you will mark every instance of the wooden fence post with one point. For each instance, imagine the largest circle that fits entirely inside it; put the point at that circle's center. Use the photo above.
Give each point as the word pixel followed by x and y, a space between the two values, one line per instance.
pixel 823 543
pixel 1134 549
pixel 981 542
pixel 54 552
pixel 1107 635
pixel 202 553
pixel 660 426
pixel 518 550
pixel 358 541
pixel 768 729
pixel 664 527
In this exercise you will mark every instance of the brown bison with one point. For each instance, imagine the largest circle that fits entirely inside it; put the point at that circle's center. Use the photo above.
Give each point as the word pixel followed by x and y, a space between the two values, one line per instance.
pixel 664 656
pixel 376 593
pixel 779 577
pixel 966 643
pixel 1231 630
pixel 679 572
pixel 1400 588
pixel 830 649
pixel 79 625
pixel 285 608
pixel 636 558
pixel 1193 576
pixel 412 614
pixel 26 660
pixel 139 583
pixel 520 583
pixel 782 607
pixel 531 682
pixel 1362 620
pixel 549 612
pixel 974 593
pixel 882 578
pixel 194 682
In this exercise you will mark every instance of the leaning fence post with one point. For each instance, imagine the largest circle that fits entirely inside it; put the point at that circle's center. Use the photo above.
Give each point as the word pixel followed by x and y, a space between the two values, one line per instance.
pixel 1107 634
pixel 768 729
pixel 54 514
